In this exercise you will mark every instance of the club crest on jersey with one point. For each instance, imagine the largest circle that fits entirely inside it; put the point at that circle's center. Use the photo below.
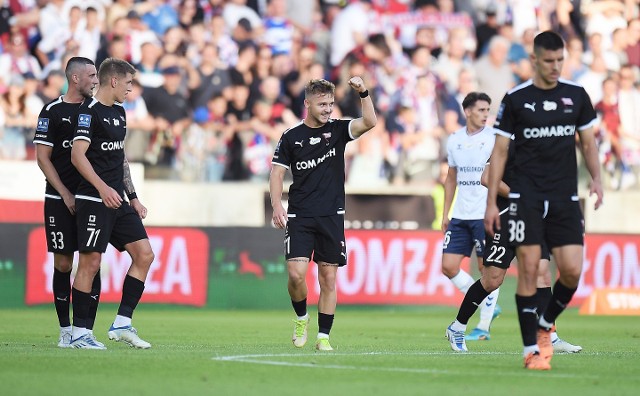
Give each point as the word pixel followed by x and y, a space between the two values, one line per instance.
pixel 43 125
pixel 314 140
pixel 549 105
pixel 84 120
pixel 568 105
pixel 327 137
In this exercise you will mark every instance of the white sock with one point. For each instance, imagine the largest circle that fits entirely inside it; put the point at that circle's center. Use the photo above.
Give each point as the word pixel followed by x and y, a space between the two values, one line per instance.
pixel 487 307
pixel 463 281
pixel 305 317
pixel 554 337
pixel 121 321
pixel 78 332
pixel 457 326
pixel 544 323
pixel 65 328
pixel 323 335
pixel 530 349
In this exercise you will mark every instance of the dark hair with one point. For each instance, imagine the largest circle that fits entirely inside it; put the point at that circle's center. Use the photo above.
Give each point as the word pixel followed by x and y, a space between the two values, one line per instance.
pixel 113 67
pixel 472 97
pixel 548 40
pixel 74 63
pixel 319 87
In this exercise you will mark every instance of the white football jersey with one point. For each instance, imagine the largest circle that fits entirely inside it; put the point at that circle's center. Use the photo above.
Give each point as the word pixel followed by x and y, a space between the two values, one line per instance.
pixel 469 155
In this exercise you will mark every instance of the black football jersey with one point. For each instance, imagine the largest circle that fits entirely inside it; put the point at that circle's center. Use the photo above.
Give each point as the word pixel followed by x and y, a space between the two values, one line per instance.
pixel 104 127
pixel 545 123
pixel 315 157
pixel 55 129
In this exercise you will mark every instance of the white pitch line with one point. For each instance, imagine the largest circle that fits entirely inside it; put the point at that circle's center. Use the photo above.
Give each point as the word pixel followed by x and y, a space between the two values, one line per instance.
pixel 264 359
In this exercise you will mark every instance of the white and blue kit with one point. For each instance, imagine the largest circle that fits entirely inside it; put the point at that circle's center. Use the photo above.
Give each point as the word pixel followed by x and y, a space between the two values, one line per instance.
pixel 468 154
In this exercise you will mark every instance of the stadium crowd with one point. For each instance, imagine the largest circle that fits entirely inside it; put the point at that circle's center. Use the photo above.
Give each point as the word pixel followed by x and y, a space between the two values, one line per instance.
pixel 218 81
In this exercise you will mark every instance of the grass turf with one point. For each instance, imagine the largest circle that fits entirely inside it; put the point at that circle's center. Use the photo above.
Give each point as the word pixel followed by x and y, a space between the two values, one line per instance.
pixel 379 351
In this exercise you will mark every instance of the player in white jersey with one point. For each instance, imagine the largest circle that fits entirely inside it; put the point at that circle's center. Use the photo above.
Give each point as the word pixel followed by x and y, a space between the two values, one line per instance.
pixel 468 150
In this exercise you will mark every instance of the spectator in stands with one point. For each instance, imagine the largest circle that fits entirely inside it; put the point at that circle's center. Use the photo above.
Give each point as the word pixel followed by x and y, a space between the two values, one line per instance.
pixel 149 74
pixel 573 64
pixel 453 59
pixel 592 79
pixel 494 72
pixel 17 61
pixel 486 30
pixel 90 37
pixel 235 10
pixel 633 42
pixel 629 107
pixel 609 131
pixel 189 13
pixel 214 77
pixel 19 120
pixel 295 81
pixel 349 30
pixel 227 48
pixel 170 110
pixel 159 16
pixel 239 116
pixel 279 31
pixel 140 125
pixel 52 87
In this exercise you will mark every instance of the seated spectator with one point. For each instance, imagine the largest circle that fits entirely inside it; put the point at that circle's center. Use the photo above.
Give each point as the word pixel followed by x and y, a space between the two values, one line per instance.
pixel 148 70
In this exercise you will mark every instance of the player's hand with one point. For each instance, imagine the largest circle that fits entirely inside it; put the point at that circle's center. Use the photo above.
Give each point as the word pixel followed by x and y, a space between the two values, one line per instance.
pixel 492 219
pixel 70 201
pixel 357 84
pixel 140 209
pixel 596 188
pixel 445 223
pixel 111 198
pixel 279 217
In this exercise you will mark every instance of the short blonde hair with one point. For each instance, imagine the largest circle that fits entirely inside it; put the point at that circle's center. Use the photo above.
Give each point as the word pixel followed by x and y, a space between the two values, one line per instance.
pixel 319 87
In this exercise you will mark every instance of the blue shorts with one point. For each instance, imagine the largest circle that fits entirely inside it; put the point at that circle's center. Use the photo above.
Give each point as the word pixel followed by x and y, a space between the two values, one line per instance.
pixel 463 236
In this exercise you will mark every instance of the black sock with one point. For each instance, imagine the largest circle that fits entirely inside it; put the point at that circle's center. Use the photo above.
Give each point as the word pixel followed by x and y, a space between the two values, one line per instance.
pixel 62 296
pixel 528 319
pixel 95 300
pixel 131 293
pixel 543 296
pixel 300 307
pixel 81 304
pixel 324 323
pixel 558 302
pixel 472 300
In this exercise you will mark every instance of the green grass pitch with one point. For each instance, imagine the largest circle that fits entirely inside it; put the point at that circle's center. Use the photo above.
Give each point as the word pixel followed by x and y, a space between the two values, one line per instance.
pixel 379 351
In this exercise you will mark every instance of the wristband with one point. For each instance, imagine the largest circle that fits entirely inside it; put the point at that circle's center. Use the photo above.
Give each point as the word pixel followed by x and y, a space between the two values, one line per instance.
pixel 364 94
pixel 132 196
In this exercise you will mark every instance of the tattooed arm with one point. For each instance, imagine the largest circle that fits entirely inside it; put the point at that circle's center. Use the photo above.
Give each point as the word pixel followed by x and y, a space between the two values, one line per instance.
pixel 130 190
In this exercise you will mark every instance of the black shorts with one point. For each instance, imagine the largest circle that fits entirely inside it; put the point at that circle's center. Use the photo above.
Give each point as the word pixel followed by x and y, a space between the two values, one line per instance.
pixel 498 251
pixel 534 222
pixel 98 226
pixel 60 227
pixel 322 236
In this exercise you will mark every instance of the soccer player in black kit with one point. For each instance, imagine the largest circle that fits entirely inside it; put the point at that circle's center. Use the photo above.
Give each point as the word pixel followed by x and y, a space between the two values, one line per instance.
pixel 314 152
pixel 544 114
pixel 102 214
pixel 53 137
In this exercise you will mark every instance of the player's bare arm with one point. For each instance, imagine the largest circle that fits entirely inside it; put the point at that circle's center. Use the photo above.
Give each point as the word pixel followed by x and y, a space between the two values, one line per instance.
pixel 43 156
pixel 590 153
pixel 503 188
pixel 496 172
pixel 368 120
pixel 109 196
pixel 450 184
pixel 276 179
